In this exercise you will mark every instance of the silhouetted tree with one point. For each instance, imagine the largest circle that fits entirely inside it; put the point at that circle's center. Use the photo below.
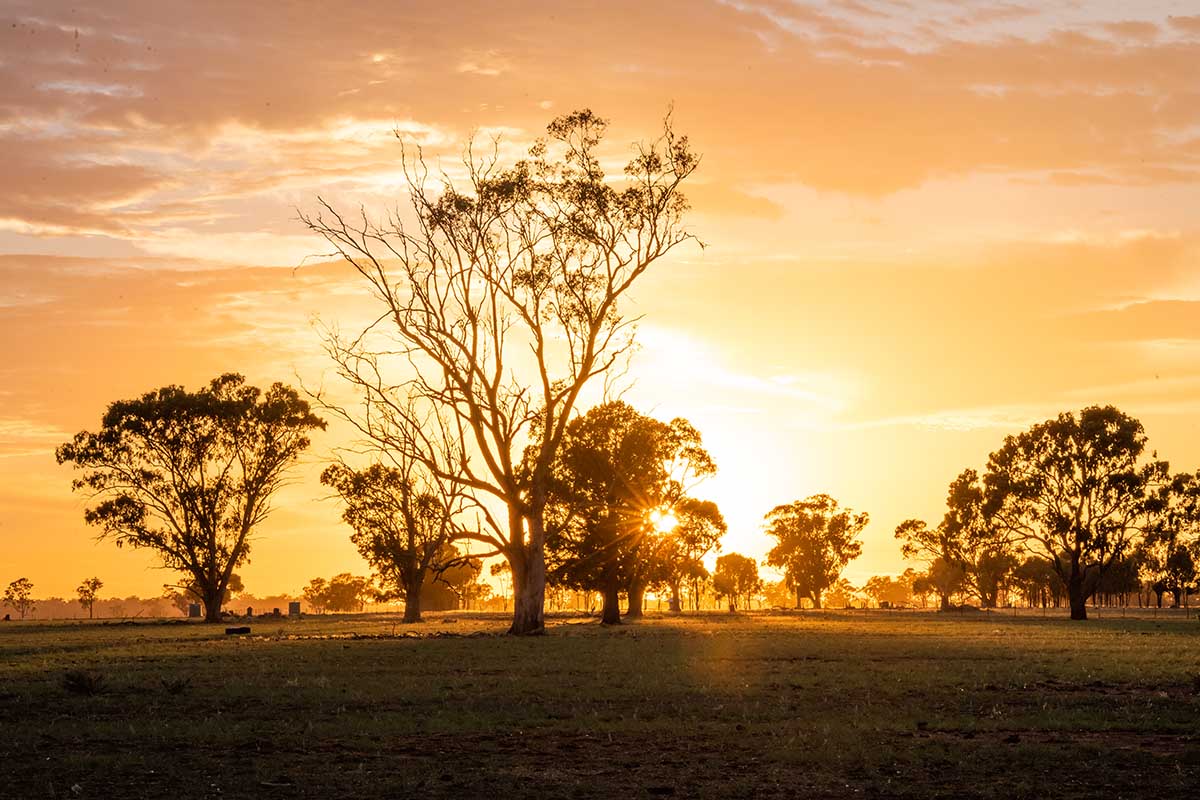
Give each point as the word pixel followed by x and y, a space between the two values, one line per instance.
pixel 190 475
pixel 316 594
pixel 614 469
pixel 502 298
pixel 346 592
pixel 841 594
pixel 943 579
pixel 87 592
pixel 1171 548
pixel 402 518
pixel 1073 490
pixel 460 573
pixel 966 538
pixel 1036 581
pixel 1121 579
pixel 736 578
pixel 975 542
pixel 677 555
pixel 503 573
pixel 816 539
pixel 19 596
pixel 887 589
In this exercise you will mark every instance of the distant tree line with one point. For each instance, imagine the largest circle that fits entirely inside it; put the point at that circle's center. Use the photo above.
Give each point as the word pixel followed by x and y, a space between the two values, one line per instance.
pixel 1072 509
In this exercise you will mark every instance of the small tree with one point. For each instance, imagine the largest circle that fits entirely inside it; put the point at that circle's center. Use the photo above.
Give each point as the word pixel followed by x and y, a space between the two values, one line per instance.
pixel 841 594
pixel 402 518
pixel 346 592
pixel 678 554
pixel 460 574
pixel 502 572
pixel 967 538
pixel 190 475
pixel 886 589
pixel 316 594
pixel 943 579
pixel 615 468
pixel 736 577
pixel 19 596
pixel 1171 547
pixel 87 593
pixel 816 539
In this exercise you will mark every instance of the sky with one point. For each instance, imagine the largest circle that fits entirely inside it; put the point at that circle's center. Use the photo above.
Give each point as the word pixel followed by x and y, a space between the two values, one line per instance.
pixel 927 225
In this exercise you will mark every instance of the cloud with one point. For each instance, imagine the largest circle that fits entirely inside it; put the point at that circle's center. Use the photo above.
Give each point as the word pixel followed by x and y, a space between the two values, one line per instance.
pixel 1002 418
pixel 1144 321
pixel 1137 30
pixel 21 437
pixel 1185 23
pixel 145 97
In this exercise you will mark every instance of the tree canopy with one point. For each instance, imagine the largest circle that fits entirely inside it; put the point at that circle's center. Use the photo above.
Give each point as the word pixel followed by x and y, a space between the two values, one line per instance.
pixel 815 540
pixel 190 475
pixel 87 592
pixel 736 578
pixel 19 595
pixel 1075 491
pixel 615 468
pixel 402 520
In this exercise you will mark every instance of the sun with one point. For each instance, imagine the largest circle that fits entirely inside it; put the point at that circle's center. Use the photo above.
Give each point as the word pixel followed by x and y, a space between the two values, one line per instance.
pixel 663 520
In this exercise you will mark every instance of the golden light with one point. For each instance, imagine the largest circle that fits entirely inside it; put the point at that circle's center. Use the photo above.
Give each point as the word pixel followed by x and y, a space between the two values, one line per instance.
pixel 664 521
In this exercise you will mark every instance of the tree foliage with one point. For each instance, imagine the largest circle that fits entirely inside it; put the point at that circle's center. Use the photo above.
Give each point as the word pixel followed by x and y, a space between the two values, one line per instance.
pixel 190 475
pixel 19 596
pixel 87 591
pixel 1075 491
pixel 402 521
pixel 502 298
pixel 677 555
pixel 736 578
pixel 617 466
pixel 1169 554
pixel 815 540
pixel 343 592
pixel 967 538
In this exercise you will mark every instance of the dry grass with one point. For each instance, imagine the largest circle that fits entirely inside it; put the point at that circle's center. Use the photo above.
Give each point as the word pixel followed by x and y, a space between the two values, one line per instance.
pixel 833 704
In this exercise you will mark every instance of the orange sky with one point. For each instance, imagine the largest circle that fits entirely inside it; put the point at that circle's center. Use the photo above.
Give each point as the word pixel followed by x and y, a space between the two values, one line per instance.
pixel 927 227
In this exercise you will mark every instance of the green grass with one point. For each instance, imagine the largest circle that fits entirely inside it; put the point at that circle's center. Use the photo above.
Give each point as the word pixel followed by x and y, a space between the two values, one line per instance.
pixel 825 704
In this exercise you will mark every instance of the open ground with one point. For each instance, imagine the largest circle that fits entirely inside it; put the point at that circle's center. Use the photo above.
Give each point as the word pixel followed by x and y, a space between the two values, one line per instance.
pixel 799 704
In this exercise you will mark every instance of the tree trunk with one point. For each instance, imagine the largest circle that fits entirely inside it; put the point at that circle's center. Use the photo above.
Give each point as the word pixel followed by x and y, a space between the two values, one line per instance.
pixel 212 597
pixel 799 600
pixel 675 607
pixel 1078 598
pixel 944 605
pixel 637 600
pixel 412 602
pixel 816 598
pixel 611 612
pixel 529 578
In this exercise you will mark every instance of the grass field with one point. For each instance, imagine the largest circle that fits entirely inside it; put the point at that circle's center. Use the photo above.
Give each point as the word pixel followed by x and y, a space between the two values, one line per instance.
pixel 850 704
